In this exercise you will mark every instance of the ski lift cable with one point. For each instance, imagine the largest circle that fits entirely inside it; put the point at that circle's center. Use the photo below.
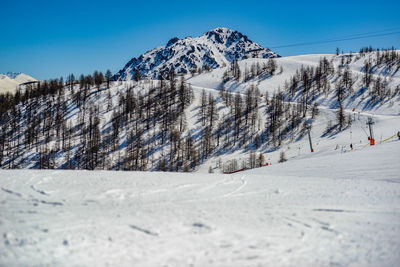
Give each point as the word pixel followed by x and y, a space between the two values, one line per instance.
pixel 350 37
pixel 362 128
pixel 355 37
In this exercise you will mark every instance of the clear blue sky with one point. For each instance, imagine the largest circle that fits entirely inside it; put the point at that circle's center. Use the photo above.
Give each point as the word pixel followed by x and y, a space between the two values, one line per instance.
pixel 48 39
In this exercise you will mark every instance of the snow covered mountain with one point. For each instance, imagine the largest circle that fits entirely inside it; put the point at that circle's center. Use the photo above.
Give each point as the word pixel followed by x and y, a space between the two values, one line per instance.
pixel 214 49
pixel 11 75
pixel 11 80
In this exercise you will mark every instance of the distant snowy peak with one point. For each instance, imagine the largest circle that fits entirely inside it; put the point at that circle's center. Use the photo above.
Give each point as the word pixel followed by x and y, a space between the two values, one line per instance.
pixel 235 45
pixel 11 80
pixel 11 75
pixel 17 76
pixel 214 49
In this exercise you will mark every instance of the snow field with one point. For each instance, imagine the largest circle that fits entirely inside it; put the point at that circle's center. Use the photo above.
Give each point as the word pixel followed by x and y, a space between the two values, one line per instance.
pixel 333 209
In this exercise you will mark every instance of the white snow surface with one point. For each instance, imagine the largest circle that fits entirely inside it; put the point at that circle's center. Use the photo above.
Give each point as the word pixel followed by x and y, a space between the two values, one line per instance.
pixel 10 81
pixel 319 210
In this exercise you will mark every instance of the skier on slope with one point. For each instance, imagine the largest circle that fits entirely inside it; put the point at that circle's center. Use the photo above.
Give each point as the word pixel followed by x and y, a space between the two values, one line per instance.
pixel 398 134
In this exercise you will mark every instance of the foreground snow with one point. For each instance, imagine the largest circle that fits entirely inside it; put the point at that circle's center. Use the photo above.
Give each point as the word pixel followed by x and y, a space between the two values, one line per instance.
pixel 332 209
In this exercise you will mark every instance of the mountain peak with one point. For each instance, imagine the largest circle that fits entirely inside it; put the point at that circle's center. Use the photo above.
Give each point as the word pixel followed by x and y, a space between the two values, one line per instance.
pixel 226 36
pixel 10 81
pixel 222 30
pixel 213 49
pixel 172 41
pixel 11 75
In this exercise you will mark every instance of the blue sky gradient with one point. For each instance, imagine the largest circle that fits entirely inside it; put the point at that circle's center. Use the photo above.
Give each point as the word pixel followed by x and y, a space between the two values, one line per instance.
pixel 48 39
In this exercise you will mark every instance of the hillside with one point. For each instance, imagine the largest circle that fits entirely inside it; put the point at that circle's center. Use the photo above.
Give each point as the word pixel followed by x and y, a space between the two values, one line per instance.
pixel 197 121
pixel 361 103
pixel 337 209
pixel 213 49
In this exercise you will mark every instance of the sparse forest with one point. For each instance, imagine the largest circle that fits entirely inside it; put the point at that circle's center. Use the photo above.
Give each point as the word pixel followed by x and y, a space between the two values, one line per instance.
pixel 92 122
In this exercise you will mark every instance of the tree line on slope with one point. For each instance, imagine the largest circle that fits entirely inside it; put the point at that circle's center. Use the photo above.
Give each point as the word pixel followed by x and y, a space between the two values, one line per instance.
pixel 85 124
pixel 311 82
pixel 92 123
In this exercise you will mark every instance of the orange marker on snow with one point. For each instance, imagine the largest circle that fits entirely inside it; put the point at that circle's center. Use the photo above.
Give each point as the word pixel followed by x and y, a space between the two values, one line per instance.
pixel 371 141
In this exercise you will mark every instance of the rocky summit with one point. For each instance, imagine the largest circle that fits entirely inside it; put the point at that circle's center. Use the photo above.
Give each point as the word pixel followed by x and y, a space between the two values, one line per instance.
pixel 213 49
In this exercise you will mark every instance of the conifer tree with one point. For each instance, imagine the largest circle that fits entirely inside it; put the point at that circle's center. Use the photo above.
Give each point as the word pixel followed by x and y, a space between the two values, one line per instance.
pixel 108 77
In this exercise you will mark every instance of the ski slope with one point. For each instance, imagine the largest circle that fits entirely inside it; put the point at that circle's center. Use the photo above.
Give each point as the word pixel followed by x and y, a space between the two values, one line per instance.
pixel 385 114
pixel 316 210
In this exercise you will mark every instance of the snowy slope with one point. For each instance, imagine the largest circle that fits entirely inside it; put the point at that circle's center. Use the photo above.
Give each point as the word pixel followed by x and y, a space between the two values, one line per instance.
pixel 340 209
pixel 292 64
pixel 214 48
pixel 10 81
pixel 385 114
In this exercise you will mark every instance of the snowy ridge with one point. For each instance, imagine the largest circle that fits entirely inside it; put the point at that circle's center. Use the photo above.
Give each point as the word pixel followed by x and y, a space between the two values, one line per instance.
pixel 214 49
pixel 10 81
pixel 10 74
pixel 292 64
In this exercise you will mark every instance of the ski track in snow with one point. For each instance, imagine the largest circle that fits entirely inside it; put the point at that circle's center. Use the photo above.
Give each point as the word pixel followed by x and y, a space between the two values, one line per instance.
pixel 304 211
